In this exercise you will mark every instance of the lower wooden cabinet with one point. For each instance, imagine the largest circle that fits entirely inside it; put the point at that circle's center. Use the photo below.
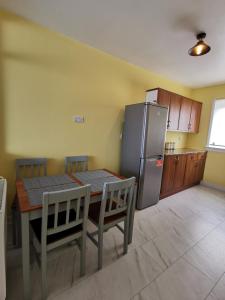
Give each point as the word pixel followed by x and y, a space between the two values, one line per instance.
pixel 181 171
pixel 181 161
pixel 169 169
pixel 173 173
pixel 191 169
pixel 195 168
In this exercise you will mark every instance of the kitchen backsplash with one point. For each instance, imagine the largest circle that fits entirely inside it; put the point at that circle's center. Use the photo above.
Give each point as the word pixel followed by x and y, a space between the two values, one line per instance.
pixel 178 137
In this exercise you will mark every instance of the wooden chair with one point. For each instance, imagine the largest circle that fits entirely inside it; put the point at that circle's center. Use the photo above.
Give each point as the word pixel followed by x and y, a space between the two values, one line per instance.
pixel 113 209
pixel 76 164
pixel 64 219
pixel 25 167
pixel 31 167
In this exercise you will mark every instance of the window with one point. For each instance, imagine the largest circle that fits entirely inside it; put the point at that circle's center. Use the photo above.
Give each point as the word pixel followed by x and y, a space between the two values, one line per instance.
pixel 216 137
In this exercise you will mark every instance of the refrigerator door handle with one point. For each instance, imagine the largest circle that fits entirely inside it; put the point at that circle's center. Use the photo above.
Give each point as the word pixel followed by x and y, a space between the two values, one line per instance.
pixel 152 159
pixel 158 157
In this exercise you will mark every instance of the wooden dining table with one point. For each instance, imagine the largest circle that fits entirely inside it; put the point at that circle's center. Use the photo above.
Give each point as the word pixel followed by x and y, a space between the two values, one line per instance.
pixel 29 201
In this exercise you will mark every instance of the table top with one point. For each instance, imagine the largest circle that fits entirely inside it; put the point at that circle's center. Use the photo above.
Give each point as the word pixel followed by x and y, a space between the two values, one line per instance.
pixel 30 190
pixel 96 178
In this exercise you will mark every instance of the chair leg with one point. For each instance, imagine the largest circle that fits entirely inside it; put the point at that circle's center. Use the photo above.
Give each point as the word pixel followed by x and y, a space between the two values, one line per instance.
pixel 83 255
pixel 14 226
pixel 100 249
pixel 18 229
pixel 44 274
pixel 16 223
pixel 126 233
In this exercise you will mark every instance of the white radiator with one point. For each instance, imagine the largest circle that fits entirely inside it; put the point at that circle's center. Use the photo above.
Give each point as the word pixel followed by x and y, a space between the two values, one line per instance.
pixel 3 187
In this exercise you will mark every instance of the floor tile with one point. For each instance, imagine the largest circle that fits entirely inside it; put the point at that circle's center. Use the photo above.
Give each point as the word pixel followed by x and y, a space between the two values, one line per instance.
pixel 128 275
pixel 194 228
pixel 171 245
pixel 209 261
pixel 180 282
pixel 87 289
pixel 218 292
pixel 149 293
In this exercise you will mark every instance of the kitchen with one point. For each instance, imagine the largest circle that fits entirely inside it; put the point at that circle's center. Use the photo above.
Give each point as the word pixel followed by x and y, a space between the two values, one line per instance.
pixel 112 117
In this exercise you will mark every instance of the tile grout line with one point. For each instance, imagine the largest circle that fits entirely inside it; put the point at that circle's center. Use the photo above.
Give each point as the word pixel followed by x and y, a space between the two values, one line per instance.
pixel 185 261
pixel 214 286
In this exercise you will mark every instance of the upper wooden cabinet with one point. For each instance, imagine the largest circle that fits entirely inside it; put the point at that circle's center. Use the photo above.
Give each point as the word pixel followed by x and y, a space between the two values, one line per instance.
pixel 183 114
pixel 195 116
pixel 163 97
pixel 174 115
pixel 173 102
pixel 190 114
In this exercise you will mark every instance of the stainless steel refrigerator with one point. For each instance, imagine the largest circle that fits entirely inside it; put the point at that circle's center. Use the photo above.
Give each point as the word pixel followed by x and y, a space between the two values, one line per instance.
pixel 142 152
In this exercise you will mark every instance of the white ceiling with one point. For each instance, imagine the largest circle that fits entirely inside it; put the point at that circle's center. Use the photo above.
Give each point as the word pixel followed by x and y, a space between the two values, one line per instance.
pixel 154 34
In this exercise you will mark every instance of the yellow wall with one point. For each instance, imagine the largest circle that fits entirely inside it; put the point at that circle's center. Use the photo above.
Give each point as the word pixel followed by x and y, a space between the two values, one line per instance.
pixel 215 164
pixel 45 79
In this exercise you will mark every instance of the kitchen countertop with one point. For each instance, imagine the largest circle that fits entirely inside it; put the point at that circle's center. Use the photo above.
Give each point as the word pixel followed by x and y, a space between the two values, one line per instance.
pixel 183 151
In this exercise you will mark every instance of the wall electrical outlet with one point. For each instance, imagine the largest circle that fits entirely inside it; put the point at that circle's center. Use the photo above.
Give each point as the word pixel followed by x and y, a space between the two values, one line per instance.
pixel 78 119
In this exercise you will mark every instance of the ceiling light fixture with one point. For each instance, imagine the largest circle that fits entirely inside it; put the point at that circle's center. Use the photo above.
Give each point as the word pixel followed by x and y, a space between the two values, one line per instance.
pixel 201 47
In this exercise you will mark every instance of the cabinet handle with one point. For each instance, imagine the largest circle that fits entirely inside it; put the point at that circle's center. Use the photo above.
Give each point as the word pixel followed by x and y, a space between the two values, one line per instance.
pixel 176 159
pixel 168 124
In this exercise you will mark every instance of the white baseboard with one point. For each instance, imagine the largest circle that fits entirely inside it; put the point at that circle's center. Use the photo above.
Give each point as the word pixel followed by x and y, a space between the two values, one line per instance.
pixel 213 185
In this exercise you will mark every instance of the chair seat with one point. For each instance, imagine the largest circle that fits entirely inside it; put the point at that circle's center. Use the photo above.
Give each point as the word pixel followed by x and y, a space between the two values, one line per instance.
pixel 36 225
pixel 94 213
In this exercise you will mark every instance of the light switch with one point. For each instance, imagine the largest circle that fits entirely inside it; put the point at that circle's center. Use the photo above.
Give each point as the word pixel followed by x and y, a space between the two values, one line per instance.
pixel 78 119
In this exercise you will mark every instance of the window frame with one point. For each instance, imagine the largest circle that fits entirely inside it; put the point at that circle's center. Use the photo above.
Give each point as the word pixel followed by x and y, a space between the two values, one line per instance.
pixel 208 146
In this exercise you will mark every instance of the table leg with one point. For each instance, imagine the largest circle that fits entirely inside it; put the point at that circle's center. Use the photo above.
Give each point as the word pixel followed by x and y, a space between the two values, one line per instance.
pixel 131 225
pixel 26 255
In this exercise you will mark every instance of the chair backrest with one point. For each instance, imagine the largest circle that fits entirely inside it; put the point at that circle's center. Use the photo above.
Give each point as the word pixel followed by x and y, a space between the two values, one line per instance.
pixel 65 201
pixel 117 197
pixel 76 164
pixel 31 167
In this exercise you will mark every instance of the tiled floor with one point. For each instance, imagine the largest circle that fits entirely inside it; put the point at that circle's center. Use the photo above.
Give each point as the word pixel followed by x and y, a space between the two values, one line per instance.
pixel 178 253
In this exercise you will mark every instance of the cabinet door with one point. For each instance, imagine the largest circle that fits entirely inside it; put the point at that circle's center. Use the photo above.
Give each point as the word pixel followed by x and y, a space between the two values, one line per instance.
pixel 191 169
pixel 185 114
pixel 195 116
pixel 164 100
pixel 169 169
pixel 201 167
pixel 174 114
pixel 181 161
